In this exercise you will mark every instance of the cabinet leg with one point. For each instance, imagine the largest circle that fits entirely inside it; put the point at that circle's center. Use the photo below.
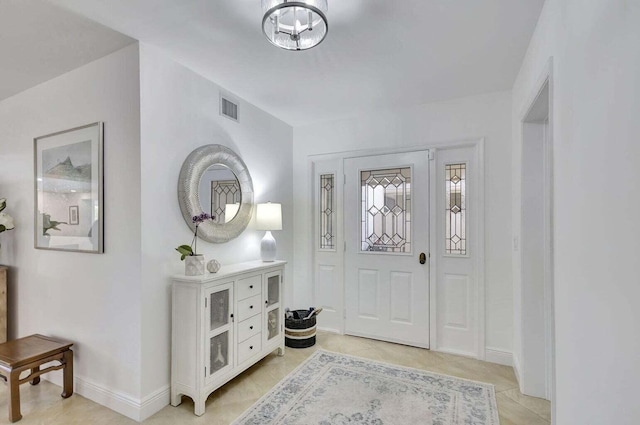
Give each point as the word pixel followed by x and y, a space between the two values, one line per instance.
pixel 199 406
pixel 281 350
pixel 176 399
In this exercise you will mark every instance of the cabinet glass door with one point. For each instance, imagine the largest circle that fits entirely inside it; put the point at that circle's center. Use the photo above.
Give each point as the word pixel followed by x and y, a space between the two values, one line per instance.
pixel 219 349
pixel 219 309
pixel 219 352
pixel 273 289
pixel 273 323
pixel 272 305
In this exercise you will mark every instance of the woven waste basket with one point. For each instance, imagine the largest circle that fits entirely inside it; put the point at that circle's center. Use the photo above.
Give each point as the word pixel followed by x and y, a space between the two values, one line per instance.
pixel 300 333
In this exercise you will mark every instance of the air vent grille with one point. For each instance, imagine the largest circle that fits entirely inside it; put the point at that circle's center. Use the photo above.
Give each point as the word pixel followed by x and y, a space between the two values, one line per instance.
pixel 228 109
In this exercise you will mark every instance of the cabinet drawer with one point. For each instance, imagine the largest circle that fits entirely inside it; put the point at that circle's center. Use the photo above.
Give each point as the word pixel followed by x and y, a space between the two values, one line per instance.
pixel 249 347
pixel 249 327
pixel 248 287
pixel 249 307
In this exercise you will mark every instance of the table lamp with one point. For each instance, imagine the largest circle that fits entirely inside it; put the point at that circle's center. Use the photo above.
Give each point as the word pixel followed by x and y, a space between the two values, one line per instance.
pixel 268 217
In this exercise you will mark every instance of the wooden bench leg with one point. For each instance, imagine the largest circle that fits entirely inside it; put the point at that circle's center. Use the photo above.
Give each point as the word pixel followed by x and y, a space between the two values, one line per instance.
pixel 36 380
pixel 67 374
pixel 14 396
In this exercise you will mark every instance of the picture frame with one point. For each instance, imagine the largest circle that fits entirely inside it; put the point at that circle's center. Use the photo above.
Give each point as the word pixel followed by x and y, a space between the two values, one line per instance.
pixel 68 182
pixel 73 215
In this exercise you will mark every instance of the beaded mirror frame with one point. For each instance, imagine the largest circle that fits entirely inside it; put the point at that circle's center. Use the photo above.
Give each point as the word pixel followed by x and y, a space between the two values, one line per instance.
pixel 193 168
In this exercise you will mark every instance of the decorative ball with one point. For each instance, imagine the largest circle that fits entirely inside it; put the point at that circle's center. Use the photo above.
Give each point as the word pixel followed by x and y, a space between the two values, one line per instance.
pixel 213 266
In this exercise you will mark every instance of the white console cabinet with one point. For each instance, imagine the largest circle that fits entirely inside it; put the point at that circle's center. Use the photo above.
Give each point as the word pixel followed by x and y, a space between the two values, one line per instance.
pixel 223 323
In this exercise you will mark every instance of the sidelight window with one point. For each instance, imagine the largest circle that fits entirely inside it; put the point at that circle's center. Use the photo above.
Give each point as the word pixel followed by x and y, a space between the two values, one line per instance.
pixel 455 214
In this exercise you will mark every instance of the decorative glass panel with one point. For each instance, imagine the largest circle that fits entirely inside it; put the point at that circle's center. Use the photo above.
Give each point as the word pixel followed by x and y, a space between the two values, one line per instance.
pixel 224 192
pixel 456 209
pixel 219 302
pixel 327 211
pixel 273 323
pixel 219 352
pixel 273 289
pixel 386 210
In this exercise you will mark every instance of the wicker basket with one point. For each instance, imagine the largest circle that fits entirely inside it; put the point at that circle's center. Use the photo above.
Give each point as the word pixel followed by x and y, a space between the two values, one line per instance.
pixel 300 333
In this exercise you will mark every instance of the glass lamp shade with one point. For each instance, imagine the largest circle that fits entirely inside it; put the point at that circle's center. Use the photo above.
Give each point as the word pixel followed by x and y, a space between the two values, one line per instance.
pixel 269 216
pixel 295 25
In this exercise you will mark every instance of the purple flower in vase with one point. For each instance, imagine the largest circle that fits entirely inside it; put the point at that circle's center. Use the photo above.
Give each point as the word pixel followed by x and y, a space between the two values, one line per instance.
pixel 185 250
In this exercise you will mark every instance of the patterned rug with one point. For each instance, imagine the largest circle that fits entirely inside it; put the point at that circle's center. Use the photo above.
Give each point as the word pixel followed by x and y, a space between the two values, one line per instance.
pixel 336 389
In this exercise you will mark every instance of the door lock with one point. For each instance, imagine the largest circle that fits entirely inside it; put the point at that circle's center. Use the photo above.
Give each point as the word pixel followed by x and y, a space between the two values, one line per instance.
pixel 423 258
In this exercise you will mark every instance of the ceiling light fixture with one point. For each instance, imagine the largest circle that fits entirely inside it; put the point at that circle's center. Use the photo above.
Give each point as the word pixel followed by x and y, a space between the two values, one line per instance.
pixel 295 25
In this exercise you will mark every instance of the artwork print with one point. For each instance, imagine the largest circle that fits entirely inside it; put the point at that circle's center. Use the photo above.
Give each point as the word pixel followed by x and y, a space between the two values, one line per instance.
pixel 68 212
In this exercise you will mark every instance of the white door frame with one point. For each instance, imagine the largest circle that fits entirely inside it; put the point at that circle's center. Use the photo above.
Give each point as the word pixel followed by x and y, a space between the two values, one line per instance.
pixel 478 144
pixel 545 81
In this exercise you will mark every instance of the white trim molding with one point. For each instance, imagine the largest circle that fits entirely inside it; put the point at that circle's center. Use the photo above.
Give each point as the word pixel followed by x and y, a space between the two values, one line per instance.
pixel 154 402
pixel 516 370
pixel 118 401
pixel 496 355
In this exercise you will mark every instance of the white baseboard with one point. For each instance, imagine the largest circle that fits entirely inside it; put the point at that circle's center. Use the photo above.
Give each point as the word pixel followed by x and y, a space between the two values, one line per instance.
pixel 118 401
pixel 330 330
pixel 115 400
pixel 155 402
pixel 498 356
pixel 455 352
pixel 516 370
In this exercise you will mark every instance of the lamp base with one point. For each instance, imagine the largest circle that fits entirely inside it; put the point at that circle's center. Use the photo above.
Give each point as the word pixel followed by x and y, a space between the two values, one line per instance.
pixel 268 247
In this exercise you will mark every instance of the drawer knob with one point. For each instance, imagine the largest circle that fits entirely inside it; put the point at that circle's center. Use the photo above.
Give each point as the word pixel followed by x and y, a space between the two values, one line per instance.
pixel 250 327
pixel 250 286
pixel 251 347
pixel 250 306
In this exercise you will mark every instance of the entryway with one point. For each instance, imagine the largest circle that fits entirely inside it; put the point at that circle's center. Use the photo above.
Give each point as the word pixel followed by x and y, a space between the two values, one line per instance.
pixel 397 251
pixel 536 256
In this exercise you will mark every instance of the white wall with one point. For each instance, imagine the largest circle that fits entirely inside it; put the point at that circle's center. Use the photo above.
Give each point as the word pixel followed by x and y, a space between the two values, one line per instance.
pixel 90 299
pixel 179 112
pixel 596 104
pixel 481 116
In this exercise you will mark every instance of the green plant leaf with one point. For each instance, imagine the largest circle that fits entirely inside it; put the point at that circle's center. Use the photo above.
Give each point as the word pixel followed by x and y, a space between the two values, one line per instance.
pixel 2 228
pixel 184 250
pixel 3 204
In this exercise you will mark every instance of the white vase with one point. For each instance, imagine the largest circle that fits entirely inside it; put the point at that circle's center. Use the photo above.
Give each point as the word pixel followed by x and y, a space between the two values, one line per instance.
pixel 194 265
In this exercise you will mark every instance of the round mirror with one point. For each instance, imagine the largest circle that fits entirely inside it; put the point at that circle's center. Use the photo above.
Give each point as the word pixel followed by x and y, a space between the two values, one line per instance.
pixel 215 180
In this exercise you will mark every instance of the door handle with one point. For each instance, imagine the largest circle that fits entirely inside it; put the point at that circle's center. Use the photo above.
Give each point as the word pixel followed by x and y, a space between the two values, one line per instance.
pixel 423 258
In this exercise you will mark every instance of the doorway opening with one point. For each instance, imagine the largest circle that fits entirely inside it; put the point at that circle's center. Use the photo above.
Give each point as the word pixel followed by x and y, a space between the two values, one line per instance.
pixel 537 287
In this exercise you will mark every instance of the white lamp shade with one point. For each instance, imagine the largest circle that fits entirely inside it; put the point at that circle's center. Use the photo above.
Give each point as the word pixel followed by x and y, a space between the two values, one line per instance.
pixel 269 216
pixel 230 211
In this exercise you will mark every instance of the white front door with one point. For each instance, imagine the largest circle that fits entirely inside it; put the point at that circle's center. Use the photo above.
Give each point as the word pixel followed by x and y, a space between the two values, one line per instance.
pixel 386 220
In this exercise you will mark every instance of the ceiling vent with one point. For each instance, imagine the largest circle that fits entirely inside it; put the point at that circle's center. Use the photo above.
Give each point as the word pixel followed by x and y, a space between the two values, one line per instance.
pixel 229 108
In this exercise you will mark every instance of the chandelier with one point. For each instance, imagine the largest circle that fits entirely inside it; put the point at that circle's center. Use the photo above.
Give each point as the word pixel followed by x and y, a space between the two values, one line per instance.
pixel 295 25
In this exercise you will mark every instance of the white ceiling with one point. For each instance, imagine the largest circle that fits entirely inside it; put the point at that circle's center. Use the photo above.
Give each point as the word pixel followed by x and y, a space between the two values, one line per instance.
pixel 378 53
pixel 39 41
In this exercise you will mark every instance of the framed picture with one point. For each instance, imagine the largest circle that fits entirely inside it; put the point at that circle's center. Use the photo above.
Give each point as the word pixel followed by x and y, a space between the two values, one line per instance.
pixel 68 190
pixel 73 215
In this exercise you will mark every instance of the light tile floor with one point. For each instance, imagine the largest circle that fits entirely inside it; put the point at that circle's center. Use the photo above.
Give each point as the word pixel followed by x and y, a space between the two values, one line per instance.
pixel 42 404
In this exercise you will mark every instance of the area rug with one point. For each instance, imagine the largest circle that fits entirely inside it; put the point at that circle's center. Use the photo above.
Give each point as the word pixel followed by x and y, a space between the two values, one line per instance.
pixel 336 389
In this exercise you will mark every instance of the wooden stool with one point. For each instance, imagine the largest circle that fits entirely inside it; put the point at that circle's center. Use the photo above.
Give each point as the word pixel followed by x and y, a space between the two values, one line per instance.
pixel 29 353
